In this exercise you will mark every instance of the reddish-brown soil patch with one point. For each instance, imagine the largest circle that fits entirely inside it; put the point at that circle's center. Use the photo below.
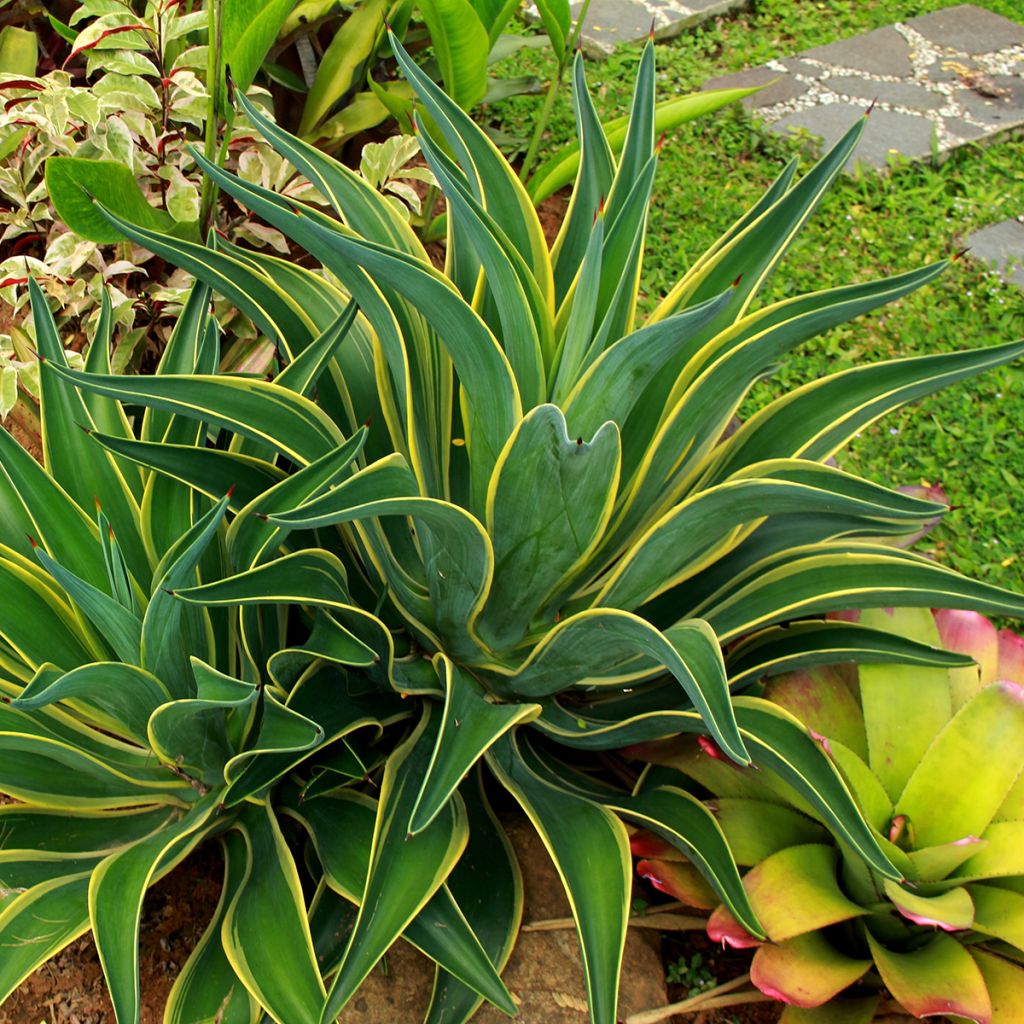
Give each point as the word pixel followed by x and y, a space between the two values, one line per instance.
pixel 70 989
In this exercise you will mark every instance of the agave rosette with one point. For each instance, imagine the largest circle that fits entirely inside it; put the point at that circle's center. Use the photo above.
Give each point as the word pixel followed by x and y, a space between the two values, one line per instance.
pixel 934 758
pixel 503 524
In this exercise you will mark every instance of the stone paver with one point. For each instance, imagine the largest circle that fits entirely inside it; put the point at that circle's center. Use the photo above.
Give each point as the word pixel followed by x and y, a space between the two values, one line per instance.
pixel 938 81
pixel 1001 246
pixel 613 23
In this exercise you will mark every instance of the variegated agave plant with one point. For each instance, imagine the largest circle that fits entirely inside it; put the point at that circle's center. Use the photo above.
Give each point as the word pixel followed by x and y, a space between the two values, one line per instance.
pixel 482 515
pixel 934 757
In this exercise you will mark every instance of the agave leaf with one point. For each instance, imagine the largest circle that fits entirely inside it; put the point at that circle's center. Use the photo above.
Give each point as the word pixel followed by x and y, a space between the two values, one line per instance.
pixel 342 829
pixel 328 641
pixel 35 505
pixel 598 394
pixel 123 692
pixel 522 312
pixel 404 872
pixel 277 966
pixel 939 978
pixel 116 889
pixel 265 412
pixel 598 647
pixel 251 537
pixel 211 471
pixel 488 887
pixel 490 177
pixel 816 420
pixel 65 832
pixel 69 454
pixel 692 534
pixel 39 923
pixel 165 617
pixel 805 971
pixel 194 734
pixel 825 578
pixel 934 863
pixel 993 723
pixel 254 293
pixel 107 415
pixel 469 726
pixel 691 828
pixel 303 372
pixel 119 627
pixel 591 854
pixel 547 505
pixel 45 627
pixel 805 645
pixel 754 251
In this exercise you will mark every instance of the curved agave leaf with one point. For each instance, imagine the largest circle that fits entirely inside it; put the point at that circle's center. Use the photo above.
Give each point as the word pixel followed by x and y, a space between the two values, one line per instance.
pixel 207 987
pixel 469 726
pixel 277 966
pixel 342 830
pixel 116 888
pixel 488 887
pixel 810 643
pixel 602 646
pixel 126 694
pixel 405 871
pixel 590 850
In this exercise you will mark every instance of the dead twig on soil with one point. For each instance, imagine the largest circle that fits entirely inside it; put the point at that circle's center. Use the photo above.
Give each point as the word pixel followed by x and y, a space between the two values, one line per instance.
pixel 661 922
pixel 714 999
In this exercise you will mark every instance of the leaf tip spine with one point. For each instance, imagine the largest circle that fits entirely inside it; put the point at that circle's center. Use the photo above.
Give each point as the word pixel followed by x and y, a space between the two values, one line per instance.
pixel 960 254
pixel 871 106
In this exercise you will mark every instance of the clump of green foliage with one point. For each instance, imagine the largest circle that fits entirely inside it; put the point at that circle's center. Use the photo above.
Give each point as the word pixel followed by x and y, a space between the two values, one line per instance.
pixel 446 554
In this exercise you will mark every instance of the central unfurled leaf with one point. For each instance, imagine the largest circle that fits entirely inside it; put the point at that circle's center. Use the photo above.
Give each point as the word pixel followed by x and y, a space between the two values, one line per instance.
pixel 548 503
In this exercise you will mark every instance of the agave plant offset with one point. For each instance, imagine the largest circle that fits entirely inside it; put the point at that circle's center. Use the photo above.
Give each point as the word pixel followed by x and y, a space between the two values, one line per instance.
pixel 484 531
pixel 934 757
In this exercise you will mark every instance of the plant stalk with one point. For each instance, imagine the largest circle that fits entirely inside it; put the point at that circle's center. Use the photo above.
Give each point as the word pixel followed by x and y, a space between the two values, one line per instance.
pixel 715 998
pixel 214 78
pixel 552 94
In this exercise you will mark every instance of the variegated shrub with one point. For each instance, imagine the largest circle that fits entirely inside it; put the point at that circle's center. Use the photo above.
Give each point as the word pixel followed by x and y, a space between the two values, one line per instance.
pixel 934 757
pixel 480 532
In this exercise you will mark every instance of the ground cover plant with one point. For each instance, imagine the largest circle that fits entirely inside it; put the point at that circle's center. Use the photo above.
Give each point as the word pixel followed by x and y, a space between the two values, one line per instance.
pixel 475 563
pixel 963 438
pixel 948 938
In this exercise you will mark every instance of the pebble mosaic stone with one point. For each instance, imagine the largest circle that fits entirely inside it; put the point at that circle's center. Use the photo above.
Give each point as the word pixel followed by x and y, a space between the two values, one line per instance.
pixel 937 81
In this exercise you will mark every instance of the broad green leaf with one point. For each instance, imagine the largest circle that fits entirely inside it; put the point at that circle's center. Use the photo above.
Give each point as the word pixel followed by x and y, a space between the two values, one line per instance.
pixel 590 850
pixel 461 45
pixel 352 45
pixel 404 871
pixel 598 646
pixel 557 20
pixel 938 978
pixel 116 889
pixel 19 51
pixel 248 30
pixel 547 505
pixel 207 988
pixel 998 913
pixel 277 965
pixel 952 910
pixel 74 183
pixel 469 726
pixel 806 970
pixel 125 693
pixel 982 747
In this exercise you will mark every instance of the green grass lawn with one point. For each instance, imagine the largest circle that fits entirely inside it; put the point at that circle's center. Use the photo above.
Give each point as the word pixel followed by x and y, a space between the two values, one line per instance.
pixel 967 438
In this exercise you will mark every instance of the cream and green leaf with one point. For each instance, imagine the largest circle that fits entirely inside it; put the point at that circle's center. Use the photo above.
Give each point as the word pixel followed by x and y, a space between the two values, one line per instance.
pixel 484 530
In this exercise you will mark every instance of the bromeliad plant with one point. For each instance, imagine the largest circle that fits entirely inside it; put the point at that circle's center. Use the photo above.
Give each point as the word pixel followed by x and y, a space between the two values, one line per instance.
pixel 934 758
pixel 508 534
